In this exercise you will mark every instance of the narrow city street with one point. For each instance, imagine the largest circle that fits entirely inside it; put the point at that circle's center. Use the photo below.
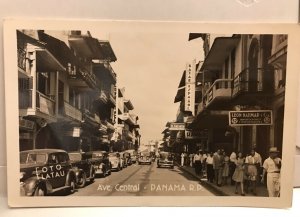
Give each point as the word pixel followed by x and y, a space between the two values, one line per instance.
pixel 145 180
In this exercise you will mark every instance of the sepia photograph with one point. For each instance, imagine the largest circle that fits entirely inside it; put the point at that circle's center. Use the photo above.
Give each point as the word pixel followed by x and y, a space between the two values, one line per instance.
pixel 137 109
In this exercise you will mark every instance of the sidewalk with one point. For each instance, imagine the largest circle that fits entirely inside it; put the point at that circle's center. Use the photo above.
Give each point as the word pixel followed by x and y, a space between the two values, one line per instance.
pixel 227 190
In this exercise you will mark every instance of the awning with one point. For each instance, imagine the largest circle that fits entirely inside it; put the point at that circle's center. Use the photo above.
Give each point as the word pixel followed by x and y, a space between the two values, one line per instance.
pixel 86 46
pixel 219 51
pixel 107 51
pixel 210 119
pixel 180 94
pixel 128 104
pixel 58 48
pixel 193 36
pixel 46 62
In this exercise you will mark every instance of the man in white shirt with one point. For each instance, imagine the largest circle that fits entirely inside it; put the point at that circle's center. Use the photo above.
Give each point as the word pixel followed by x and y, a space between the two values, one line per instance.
pixel 252 163
pixel 272 166
pixel 232 160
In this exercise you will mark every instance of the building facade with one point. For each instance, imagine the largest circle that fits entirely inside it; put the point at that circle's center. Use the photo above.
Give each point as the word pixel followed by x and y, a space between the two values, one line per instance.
pixel 67 91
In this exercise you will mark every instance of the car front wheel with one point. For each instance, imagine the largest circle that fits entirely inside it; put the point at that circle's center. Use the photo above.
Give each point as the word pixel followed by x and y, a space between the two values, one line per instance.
pixel 81 180
pixel 39 191
pixel 72 186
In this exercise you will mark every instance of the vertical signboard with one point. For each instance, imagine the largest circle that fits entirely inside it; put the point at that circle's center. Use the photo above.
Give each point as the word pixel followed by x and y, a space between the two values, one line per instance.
pixel 190 77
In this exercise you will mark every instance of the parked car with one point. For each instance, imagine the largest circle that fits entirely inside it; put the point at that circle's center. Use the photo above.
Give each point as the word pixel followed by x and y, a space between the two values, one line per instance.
pixel 127 157
pixel 45 172
pixel 116 161
pixel 124 159
pixel 83 168
pixel 144 158
pixel 100 161
pixel 165 159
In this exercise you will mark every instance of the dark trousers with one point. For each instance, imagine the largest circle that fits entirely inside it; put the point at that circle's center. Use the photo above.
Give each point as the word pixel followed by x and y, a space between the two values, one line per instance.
pixel 231 171
pixel 210 172
pixel 198 167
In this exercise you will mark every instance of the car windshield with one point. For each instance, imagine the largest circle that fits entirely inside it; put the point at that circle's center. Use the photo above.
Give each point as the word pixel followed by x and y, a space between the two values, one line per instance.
pixel 166 155
pixel 145 154
pixel 114 154
pixel 75 156
pixel 32 158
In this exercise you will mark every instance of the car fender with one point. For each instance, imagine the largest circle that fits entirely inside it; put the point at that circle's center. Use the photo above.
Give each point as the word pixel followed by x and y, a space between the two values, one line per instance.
pixel 33 182
pixel 71 175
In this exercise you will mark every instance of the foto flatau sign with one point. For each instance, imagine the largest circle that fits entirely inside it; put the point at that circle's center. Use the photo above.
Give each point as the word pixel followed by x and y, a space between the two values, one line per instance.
pixel 244 118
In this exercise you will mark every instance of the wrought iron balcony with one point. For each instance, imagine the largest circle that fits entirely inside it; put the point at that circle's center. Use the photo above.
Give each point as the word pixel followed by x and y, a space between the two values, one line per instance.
pixel 247 82
pixel 220 90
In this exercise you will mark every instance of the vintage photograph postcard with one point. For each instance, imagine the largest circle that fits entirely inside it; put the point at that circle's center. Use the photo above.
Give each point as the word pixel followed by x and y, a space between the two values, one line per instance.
pixel 137 113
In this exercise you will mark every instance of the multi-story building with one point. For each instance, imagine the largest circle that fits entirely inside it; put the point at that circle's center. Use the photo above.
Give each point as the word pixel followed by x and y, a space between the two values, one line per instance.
pixel 242 73
pixel 66 90
pixel 127 128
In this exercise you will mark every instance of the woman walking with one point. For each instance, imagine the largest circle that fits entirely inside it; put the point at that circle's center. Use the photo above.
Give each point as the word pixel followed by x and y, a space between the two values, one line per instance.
pixel 225 169
pixel 238 175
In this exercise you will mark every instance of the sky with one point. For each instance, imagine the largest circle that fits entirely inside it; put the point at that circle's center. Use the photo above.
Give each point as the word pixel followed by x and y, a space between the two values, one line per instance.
pixel 149 66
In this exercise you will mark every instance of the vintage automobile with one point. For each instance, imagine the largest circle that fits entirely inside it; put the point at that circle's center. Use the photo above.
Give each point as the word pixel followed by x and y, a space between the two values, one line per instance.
pixel 133 155
pixel 165 159
pixel 116 161
pixel 100 162
pixel 82 167
pixel 45 172
pixel 124 159
pixel 145 158
pixel 127 157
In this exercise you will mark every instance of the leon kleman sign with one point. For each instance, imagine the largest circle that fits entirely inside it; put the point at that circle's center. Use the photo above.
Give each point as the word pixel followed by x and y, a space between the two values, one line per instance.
pixel 244 118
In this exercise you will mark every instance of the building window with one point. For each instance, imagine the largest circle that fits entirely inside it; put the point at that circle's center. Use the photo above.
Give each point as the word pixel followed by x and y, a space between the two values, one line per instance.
pixel 43 82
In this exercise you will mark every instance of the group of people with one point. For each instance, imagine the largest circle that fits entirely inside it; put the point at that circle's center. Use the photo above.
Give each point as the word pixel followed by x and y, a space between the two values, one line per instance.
pixel 242 171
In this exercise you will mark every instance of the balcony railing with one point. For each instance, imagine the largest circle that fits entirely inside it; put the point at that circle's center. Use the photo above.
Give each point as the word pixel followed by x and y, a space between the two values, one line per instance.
pixel 45 104
pixel 88 75
pixel 247 81
pixel 111 97
pixel 108 66
pixel 25 99
pixel 72 112
pixel 103 96
pixel 221 88
pixel 22 58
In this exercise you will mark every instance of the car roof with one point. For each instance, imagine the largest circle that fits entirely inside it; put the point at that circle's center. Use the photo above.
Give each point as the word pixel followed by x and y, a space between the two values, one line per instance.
pixel 45 151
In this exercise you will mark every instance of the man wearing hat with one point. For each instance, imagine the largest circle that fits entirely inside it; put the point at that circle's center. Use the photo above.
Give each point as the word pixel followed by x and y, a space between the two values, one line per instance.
pixel 272 166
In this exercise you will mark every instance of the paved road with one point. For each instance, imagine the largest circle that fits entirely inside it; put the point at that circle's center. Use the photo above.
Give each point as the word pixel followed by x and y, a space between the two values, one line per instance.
pixel 145 180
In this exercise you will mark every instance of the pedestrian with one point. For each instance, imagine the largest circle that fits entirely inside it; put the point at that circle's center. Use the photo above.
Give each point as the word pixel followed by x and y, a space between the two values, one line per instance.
pixel 216 166
pixel 197 163
pixel 209 167
pixel 252 163
pixel 238 175
pixel 221 168
pixel 232 160
pixel 259 164
pixel 191 156
pixel 203 163
pixel 225 169
pixel 182 159
pixel 272 166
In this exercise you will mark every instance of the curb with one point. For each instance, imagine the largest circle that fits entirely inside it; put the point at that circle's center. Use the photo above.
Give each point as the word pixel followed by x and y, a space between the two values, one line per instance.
pixel 208 185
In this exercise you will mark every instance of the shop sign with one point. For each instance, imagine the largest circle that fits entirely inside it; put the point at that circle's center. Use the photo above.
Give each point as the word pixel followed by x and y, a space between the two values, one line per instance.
pixel 189 134
pixel 190 77
pixel 250 118
pixel 177 126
